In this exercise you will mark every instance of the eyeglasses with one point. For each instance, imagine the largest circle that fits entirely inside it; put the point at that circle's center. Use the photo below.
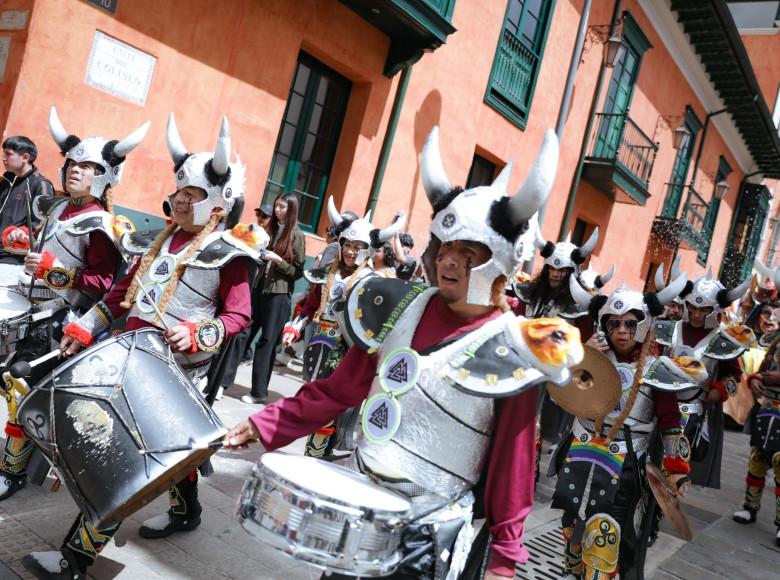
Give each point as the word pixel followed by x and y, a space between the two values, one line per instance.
pixel 614 325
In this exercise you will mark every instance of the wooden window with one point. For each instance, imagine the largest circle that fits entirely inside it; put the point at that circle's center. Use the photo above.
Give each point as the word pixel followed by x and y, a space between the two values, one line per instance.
pixel 482 172
pixel 518 57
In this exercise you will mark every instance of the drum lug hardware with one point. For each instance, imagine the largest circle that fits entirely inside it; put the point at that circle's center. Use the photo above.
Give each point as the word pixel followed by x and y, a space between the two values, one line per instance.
pixel 350 539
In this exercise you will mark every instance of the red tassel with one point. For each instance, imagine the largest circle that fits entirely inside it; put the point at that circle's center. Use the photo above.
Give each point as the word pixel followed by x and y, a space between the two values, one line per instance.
pixel 14 431
pixel 79 333
pixel 47 261
pixel 722 388
pixel 676 465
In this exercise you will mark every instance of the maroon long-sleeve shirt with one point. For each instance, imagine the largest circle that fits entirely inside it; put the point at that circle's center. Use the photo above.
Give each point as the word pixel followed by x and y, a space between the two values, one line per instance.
pixel 101 259
pixel 510 464
pixel 235 308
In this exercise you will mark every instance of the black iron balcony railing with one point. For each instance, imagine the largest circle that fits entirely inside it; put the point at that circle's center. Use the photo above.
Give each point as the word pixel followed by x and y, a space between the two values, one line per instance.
pixel 692 227
pixel 619 138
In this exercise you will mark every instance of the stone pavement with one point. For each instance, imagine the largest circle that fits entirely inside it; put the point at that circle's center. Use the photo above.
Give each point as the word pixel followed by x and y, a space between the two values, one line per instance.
pixel 36 519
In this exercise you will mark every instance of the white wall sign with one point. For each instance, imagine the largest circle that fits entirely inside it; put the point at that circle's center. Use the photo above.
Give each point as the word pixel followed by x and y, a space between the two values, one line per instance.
pixel 119 69
pixel 5 45
pixel 13 19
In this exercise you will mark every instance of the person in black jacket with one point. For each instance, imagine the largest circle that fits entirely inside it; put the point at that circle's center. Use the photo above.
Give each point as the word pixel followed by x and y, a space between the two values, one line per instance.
pixel 21 182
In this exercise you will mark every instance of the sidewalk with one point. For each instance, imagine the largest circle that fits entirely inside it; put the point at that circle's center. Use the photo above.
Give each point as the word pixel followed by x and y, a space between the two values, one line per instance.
pixel 36 519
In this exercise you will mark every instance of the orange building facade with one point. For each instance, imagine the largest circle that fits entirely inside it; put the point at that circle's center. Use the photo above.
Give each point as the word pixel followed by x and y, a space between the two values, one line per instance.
pixel 335 98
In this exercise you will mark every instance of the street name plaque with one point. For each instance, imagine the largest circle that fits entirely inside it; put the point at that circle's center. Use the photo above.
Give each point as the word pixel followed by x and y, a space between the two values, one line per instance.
pixel 120 69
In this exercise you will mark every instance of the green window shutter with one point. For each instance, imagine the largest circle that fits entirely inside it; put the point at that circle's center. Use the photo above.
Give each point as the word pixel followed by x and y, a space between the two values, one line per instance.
pixel 308 137
pixel 518 58
pixel 682 162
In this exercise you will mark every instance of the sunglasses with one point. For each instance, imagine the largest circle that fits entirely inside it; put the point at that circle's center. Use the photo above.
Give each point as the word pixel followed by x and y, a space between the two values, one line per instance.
pixel 630 325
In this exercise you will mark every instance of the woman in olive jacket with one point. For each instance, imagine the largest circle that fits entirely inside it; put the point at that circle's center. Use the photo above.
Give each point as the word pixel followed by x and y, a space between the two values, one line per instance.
pixel 271 305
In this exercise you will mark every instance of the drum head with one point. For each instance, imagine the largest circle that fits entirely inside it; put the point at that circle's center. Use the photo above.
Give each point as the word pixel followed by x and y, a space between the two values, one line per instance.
pixel 333 481
pixel 12 303
pixel 594 389
pixel 93 414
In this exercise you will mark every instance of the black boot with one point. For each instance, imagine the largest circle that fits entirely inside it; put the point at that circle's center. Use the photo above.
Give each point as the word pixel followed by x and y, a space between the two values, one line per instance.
pixel 10 484
pixel 54 565
pixel 183 515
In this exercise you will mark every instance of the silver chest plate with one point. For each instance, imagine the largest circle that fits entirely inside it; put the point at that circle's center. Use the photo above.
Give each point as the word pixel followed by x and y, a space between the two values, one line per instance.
pixel 443 436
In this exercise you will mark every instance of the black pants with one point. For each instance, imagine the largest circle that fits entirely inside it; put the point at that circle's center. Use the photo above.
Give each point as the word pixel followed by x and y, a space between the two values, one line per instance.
pixel 269 312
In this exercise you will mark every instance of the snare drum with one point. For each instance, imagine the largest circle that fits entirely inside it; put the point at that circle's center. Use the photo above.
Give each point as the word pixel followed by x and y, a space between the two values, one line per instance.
pixel 324 514
pixel 14 319
pixel 94 413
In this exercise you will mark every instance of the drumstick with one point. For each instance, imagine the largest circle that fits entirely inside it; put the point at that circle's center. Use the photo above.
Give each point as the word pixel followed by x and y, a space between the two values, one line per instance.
pixel 151 301
pixel 189 447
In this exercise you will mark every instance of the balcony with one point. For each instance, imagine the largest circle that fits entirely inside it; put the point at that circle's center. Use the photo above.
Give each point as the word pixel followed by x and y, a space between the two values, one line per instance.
pixel 692 229
pixel 413 26
pixel 620 159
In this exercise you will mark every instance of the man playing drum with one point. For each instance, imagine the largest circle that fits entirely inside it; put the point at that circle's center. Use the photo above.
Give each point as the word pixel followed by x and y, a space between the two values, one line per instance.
pixel 462 342
pixel 75 264
pixel 202 301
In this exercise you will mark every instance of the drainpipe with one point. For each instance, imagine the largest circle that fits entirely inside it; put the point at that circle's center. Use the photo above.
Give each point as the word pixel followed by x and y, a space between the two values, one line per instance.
pixel 575 183
pixel 563 111
pixel 387 143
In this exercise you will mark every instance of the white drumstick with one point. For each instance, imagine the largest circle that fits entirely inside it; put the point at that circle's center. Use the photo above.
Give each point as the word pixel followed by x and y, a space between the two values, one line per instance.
pixel 152 302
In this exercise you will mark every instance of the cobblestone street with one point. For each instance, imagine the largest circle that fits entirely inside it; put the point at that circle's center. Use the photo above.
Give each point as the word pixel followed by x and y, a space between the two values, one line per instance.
pixel 36 519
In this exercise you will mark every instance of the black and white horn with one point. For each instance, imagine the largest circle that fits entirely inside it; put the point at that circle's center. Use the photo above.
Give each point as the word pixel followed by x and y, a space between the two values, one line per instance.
pixel 132 141
pixel 739 291
pixel 673 290
pixel 221 162
pixel 587 247
pixel 393 229
pixel 602 279
pixel 435 182
pixel 58 132
pixel 660 283
pixel 539 240
pixel 333 214
pixel 533 193
pixel 675 271
pixel 764 273
pixel 580 295
pixel 175 145
pixel 502 181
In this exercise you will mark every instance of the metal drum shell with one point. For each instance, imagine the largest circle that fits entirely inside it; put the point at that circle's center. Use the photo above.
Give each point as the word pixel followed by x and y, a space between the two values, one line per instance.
pixel 14 321
pixel 102 421
pixel 323 531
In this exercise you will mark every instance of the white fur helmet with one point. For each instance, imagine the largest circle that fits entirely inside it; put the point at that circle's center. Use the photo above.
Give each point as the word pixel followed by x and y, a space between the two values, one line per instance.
pixel 565 254
pixel 705 292
pixel 222 180
pixel 485 214
pixel 362 230
pixel 593 281
pixel 624 300
pixel 108 155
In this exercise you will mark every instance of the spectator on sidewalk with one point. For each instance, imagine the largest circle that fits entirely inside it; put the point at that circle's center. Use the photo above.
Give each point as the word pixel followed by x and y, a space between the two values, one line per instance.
pixel 239 350
pixel 19 185
pixel 271 305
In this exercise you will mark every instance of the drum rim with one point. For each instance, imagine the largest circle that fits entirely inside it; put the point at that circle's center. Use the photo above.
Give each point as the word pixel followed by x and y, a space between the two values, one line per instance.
pixel 15 291
pixel 100 345
pixel 355 475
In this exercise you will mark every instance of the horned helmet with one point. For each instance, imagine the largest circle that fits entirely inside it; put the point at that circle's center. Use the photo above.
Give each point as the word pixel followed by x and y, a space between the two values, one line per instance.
pixel 109 156
pixel 485 214
pixel 212 172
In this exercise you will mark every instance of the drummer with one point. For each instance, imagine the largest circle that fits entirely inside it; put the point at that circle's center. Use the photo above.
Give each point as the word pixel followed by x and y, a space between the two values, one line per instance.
pixel 201 304
pixel 600 463
pixel 76 263
pixel 472 251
